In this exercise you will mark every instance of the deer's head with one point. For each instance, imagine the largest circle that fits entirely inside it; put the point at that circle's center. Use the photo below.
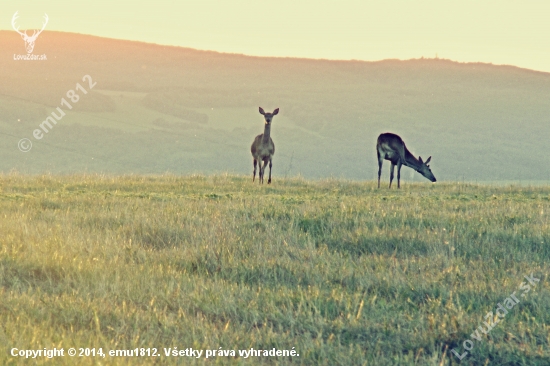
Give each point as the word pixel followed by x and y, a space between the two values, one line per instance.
pixel 268 116
pixel 425 169
pixel 29 40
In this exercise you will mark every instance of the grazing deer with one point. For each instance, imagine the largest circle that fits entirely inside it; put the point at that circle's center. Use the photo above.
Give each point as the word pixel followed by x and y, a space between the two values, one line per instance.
pixel 391 147
pixel 263 147
pixel 29 41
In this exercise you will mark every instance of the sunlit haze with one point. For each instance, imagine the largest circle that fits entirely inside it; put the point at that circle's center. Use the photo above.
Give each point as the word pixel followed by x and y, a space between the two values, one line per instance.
pixel 498 32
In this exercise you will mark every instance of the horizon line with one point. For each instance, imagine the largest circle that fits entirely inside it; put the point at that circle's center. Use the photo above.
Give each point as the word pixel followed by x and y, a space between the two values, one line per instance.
pixel 437 58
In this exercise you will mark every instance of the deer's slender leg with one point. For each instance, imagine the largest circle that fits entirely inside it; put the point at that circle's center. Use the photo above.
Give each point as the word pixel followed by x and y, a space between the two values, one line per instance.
pixel 270 164
pixel 380 161
pixel 263 169
pixel 254 174
pixel 391 173
pixel 399 174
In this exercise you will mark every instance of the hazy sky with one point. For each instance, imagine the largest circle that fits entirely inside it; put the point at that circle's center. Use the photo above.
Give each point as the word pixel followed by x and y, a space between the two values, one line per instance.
pixel 501 32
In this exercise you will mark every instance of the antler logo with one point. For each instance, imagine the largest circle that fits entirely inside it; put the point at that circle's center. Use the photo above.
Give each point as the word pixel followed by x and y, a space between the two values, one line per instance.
pixel 29 40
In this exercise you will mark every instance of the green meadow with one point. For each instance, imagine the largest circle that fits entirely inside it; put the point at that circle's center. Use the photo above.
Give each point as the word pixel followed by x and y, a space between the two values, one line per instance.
pixel 339 271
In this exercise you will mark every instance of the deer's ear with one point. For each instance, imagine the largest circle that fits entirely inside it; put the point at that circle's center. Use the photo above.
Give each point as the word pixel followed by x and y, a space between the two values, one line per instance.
pixel 275 111
pixel 262 111
pixel 427 161
pixel 420 159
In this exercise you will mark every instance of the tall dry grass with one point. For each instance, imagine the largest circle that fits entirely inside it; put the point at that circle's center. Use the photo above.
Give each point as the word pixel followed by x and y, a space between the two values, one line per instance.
pixel 343 272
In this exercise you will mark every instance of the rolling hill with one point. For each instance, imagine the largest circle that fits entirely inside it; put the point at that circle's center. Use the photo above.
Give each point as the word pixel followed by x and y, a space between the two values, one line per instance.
pixel 156 109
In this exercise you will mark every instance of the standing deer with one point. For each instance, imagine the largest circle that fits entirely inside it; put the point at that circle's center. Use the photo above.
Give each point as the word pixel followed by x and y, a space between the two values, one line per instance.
pixel 391 147
pixel 263 147
pixel 29 41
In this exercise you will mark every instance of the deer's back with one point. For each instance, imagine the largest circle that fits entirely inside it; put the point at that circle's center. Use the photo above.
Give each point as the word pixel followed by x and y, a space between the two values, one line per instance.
pixel 390 139
pixel 391 147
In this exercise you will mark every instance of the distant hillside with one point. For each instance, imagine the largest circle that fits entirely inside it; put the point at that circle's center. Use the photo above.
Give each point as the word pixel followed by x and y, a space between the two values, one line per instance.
pixel 157 108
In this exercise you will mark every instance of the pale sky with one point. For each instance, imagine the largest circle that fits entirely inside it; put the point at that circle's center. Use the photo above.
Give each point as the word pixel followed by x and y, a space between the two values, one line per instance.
pixel 509 32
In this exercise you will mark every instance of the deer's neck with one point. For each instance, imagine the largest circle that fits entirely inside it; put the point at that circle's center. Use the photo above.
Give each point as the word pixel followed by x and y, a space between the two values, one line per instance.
pixel 267 133
pixel 411 161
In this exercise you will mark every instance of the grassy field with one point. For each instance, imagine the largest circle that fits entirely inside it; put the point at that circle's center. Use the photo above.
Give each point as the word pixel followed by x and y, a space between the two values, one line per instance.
pixel 344 273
